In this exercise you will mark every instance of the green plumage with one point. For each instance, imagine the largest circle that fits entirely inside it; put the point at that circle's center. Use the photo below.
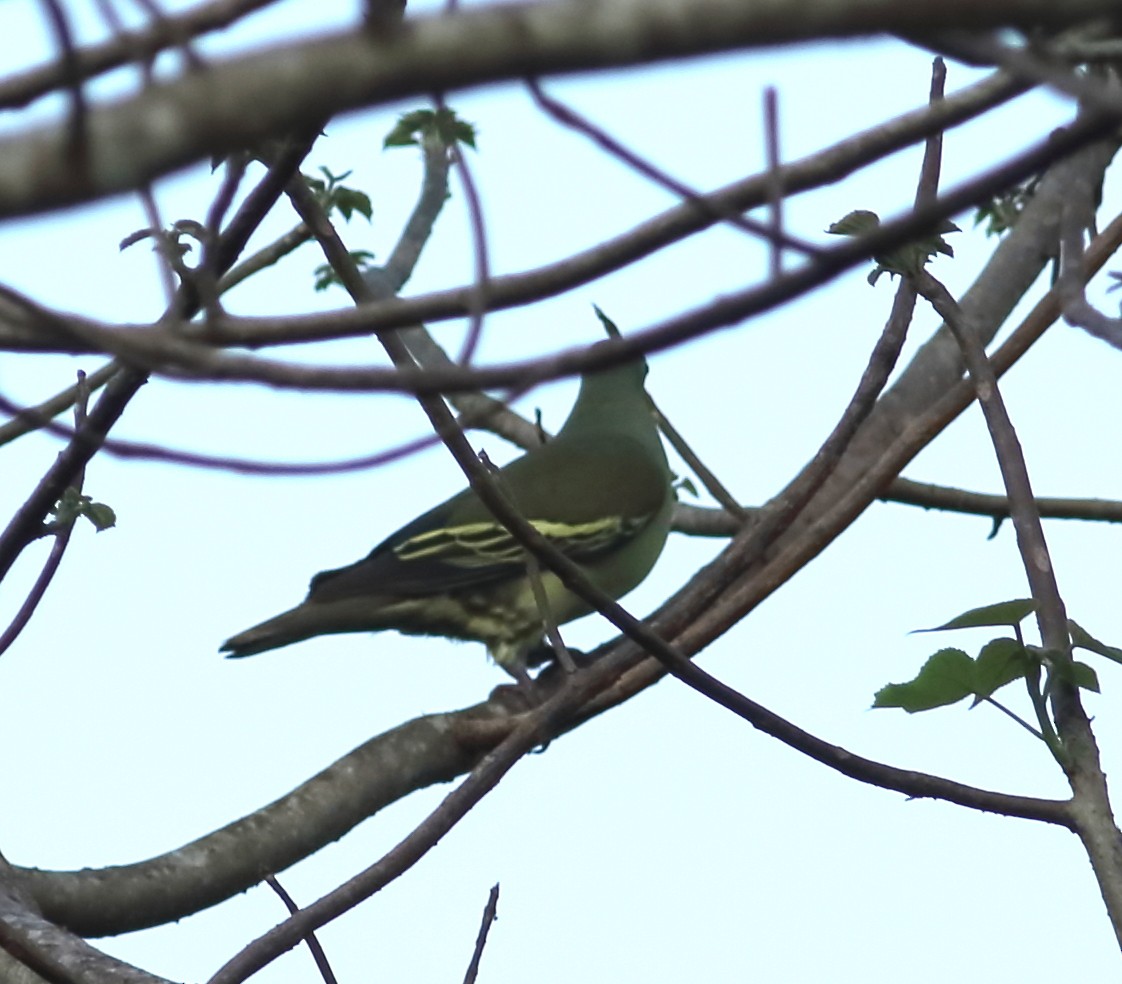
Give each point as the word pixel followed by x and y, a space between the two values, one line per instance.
pixel 600 491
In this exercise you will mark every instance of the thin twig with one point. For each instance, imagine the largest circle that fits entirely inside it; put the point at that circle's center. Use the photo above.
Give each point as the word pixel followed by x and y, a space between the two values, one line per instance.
pixel 314 947
pixel 119 391
pixel 176 358
pixel 28 419
pixel 25 87
pixel 772 160
pixel 77 134
pixel 713 485
pixel 168 259
pixel 61 538
pixel 490 914
pixel 568 117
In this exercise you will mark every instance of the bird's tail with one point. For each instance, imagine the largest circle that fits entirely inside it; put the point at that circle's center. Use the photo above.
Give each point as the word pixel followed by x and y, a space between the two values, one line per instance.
pixel 295 625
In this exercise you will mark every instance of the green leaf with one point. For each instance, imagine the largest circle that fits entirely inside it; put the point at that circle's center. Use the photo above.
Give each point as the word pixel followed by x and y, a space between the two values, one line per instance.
pixel 1003 613
pixel 102 516
pixel 856 223
pixel 69 506
pixel 907 259
pixel 945 678
pixel 1084 677
pixel 73 504
pixel 1001 661
pixel 406 128
pixel 1002 211
pixel 1077 674
pixel 1083 639
pixel 442 124
pixel 325 275
pixel 349 200
pixel 685 483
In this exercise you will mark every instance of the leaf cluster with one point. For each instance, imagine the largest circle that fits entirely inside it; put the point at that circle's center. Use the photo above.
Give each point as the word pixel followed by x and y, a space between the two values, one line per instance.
pixel 74 504
pixel 950 674
pixel 908 259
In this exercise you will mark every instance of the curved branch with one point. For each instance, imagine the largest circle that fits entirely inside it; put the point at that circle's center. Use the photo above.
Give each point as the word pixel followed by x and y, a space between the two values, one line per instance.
pixel 106 901
pixel 643 240
pixel 24 87
pixel 243 101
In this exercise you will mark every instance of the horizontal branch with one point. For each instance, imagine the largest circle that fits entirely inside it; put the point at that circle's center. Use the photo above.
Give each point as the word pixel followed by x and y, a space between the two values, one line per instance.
pixel 928 496
pixel 21 88
pixel 247 99
pixel 420 753
pixel 21 331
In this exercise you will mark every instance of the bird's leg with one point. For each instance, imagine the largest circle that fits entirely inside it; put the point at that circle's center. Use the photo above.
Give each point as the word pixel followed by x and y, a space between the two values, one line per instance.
pixel 560 650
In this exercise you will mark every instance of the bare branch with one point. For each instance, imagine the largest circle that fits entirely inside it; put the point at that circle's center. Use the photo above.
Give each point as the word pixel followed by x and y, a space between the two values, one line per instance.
pixel 928 496
pixel 314 946
pixel 243 101
pixel 490 914
pixel 23 88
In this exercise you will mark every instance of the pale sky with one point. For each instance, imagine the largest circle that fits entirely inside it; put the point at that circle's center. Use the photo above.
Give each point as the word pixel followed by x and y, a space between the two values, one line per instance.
pixel 667 840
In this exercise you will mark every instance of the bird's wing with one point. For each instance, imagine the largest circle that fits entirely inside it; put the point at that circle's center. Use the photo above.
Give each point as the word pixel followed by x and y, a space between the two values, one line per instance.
pixel 460 544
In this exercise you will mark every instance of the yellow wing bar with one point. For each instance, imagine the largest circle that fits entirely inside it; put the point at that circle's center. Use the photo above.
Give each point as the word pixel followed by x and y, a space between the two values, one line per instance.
pixel 489 543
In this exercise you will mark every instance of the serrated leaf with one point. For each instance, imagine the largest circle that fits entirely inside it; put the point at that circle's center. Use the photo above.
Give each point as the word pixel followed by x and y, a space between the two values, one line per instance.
pixel 463 132
pixel 325 275
pixel 907 259
pixel 443 124
pixel 349 200
pixel 1084 640
pixel 945 678
pixel 408 125
pixel 1003 613
pixel 1077 674
pixel 1001 661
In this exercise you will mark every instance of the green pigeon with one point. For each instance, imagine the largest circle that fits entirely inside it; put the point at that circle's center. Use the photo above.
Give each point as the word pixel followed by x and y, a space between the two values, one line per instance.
pixel 600 491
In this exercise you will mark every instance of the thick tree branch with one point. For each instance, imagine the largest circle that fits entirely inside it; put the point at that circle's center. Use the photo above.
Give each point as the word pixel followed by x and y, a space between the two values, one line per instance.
pixel 241 102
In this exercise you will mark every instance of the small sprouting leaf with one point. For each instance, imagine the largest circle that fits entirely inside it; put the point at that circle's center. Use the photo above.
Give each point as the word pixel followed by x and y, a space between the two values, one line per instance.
pixel 908 259
pixel 325 275
pixel 856 223
pixel 685 483
pixel 102 516
pixel 349 200
pixel 945 678
pixel 1084 640
pixel 1002 211
pixel 1003 613
pixel 408 125
pixel 443 124
pixel 73 504
pixel 1001 661
pixel 69 506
